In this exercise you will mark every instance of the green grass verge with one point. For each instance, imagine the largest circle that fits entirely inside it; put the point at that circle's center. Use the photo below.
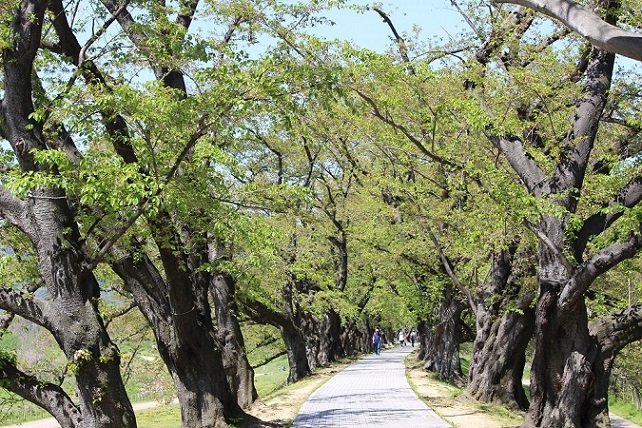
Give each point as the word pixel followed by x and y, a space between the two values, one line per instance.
pixel 626 410
pixel 272 376
pixel 268 379
pixel 166 416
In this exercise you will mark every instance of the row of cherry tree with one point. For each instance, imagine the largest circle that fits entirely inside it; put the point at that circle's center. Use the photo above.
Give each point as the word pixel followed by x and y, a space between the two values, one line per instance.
pixel 318 188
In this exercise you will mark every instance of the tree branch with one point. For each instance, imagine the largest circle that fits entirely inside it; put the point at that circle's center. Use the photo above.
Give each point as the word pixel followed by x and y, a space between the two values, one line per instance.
pixel 15 211
pixel 28 307
pixel 267 360
pixel 628 197
pixel 596 265
pixel 451 273
pixel 588 24
pixel 524 165
pixel 551 246
pixel 617 330
pixel 401 43
pixel 50 397
pixel 404 131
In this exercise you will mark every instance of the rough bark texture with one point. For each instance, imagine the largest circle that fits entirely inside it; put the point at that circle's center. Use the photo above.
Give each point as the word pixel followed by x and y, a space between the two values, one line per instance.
pixel 186 340
pixel 499 350
pixel 71 312
pixel 612 334
pixel 499 358
pixel 441 340
pixel 240 375
pixel 330 343
pixel 292 324
pixel 570 365
pixel 48 396
pixel 588 24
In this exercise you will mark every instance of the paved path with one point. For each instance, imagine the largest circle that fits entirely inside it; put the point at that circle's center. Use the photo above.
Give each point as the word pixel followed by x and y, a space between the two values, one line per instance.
pixel 373 392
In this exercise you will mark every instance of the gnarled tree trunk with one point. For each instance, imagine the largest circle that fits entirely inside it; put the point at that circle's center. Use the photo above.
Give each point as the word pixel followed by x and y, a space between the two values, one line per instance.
pixel 441 340
pixel 240 375
pixel 185 337
pixel 499 350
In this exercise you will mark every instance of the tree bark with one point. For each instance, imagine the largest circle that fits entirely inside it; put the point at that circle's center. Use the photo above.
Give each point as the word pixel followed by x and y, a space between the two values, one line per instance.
pixel 588 24
pixel 330 343
pixel 499 351
pixel 240 375
pixel 71 312
pixel 499 357
pixel 441 340
pixel 612 334
pixel 292 326
pixel 50 397
pixel 185 339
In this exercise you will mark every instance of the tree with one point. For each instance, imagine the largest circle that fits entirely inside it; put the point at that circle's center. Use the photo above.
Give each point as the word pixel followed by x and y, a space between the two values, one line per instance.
pixel 560 164
pixel 144 190
pixel 46 219
pixel 589 24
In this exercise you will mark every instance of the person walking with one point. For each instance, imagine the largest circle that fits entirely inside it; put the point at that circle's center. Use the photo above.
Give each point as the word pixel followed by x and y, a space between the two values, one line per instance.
pixel 376 340
pixel 402 338
pixel 413 335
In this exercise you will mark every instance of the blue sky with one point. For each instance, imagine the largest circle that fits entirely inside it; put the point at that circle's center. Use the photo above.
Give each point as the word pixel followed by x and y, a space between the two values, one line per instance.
pixel 367 30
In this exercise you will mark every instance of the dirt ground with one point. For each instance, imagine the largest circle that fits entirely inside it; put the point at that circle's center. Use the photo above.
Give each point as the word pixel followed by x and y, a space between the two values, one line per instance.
pixel 280 410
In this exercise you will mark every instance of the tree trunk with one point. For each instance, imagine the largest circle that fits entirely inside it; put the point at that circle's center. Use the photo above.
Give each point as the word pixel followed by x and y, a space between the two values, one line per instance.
pixel 442 341
pixel 76 322
pixel 50 397
pixel 499 357
pixel 355 338
pixel 296 344
pixel 330 343
pixel 203 393
pixel 70 313
pixel 563 369
pixel 186 341
pixel 240 375
pixel 499 350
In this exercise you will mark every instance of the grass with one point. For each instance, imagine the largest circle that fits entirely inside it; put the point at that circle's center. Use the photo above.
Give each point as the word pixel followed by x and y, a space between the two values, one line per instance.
pixel 269 379
pixel 272 376
pixel 625 409
pixel 166 416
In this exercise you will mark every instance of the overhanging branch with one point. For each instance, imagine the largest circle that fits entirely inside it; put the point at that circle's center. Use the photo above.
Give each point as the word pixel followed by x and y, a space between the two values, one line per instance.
pixel 588 24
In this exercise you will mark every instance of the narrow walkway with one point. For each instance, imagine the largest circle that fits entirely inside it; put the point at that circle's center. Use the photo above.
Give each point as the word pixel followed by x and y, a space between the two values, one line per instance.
pixel 373 392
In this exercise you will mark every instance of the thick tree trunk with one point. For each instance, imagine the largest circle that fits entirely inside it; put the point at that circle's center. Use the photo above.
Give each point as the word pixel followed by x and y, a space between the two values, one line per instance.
pixel 564 365
pixel 296 344
pixel 240 375
pixel 330 343
pixel 186 341
pixel 355 338
pixel 441 352
pixel 77 326
pixel 71 312
pixel 203 394
pixel 499 350
pixel 295 331
pixel 613 333
pixel 423 332
pixel 499 357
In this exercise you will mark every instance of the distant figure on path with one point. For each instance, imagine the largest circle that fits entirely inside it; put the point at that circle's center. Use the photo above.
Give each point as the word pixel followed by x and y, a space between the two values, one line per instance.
pixel 413 335
pixel 402 338
pixel 376 340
